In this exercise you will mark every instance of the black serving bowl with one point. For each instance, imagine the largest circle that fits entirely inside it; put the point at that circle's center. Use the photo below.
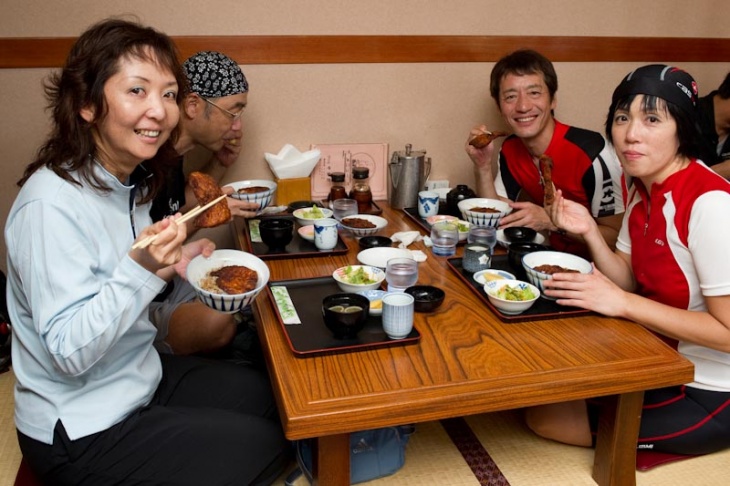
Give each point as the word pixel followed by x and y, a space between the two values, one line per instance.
pixel 374 242
pixel 276 233
pixel 516 251
pixel 426 297
pixel 519 234
pixel 293 206
pixel 343 324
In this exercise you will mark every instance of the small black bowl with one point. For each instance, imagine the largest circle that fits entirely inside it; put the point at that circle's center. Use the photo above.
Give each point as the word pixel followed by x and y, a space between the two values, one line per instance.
pixel 519 234
pixel 345 325
pixel 427 297
pixel 374 242
pixel 516 251
pixel 293 206
pixel 276 233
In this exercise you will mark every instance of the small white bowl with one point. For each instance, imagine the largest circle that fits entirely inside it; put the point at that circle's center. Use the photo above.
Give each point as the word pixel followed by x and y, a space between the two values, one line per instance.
pixel 199 267
pixel 375 297
pixel 565 260
pixel 483 219
pixel 374 273
pixel 306 232
pixel 379 223
pixel 491 274
pixel 263 198
pixel 305 217
pixel 510 307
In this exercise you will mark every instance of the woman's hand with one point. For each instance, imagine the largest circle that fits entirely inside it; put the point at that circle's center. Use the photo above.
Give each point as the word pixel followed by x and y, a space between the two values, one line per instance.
pixel 166 249
pixel 570 216
pixel 593 291
pixel 203 247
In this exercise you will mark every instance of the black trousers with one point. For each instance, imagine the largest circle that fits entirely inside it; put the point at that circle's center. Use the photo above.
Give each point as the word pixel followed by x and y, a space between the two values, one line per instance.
pixel 209 423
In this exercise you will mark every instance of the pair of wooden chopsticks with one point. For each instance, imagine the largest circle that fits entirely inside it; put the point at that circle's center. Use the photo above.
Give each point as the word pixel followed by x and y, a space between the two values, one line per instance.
pixel 190 214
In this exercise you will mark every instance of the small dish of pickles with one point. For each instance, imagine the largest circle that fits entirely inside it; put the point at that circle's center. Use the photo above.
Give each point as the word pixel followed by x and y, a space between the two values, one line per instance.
pixel 376 300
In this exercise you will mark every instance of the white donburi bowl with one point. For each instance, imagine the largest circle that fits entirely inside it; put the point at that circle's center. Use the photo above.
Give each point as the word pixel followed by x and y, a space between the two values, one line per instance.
pixel 483 219
pixel 263 198
pixel 199 267
pixel 304 218
pixel 506 306
pixel 374 273
pixel 565 260
pixel 379 223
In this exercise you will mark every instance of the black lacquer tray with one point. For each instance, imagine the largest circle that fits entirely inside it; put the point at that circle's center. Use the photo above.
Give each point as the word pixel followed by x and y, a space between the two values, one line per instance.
pixel 312 337
pixel 297 248
pixel 541 310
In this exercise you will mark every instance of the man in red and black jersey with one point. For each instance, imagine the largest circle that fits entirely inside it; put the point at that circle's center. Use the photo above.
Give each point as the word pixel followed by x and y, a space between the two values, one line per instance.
pixel 585 166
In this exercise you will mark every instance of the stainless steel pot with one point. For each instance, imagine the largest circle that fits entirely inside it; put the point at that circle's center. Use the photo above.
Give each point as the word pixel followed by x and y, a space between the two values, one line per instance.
pixel 408 172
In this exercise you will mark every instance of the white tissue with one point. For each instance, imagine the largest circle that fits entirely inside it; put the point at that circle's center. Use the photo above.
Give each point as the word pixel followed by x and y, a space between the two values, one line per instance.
pixel 406 238
pixel 290 163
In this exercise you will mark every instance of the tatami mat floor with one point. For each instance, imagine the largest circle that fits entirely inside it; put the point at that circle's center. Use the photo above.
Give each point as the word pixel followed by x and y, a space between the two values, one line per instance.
pixel 432 458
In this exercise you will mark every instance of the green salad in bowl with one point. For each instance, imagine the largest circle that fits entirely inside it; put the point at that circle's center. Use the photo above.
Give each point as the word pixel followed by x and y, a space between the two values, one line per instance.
pixel 354 278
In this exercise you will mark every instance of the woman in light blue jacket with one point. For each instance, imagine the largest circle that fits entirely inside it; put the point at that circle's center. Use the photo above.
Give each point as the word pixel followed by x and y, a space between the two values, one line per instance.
pixel 94 402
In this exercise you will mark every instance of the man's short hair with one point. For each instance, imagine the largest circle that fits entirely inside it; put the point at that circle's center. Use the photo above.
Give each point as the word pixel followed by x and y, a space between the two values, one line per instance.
pixel 521 63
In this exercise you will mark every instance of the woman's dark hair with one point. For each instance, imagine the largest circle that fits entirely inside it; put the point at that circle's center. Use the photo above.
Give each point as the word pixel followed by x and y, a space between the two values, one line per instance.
pixel 93 59
pixel 691 142
pixel 520 63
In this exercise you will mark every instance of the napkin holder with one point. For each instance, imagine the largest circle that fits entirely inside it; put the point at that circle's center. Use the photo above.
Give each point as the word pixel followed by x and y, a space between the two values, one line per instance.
pixel 295 189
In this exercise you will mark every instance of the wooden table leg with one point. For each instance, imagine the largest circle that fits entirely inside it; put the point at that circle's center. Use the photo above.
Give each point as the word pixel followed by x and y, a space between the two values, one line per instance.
pixel 331 464
pixel 618 429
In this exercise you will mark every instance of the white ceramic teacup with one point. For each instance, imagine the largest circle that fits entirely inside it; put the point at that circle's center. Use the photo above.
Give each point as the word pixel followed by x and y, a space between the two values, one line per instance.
pixel 325 233
pixel 428 203
pixel 397 314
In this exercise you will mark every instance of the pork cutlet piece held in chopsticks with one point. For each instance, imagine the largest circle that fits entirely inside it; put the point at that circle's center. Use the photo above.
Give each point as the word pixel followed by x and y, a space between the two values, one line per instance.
pixel 206 189
pixel 546 169
pixel 484 139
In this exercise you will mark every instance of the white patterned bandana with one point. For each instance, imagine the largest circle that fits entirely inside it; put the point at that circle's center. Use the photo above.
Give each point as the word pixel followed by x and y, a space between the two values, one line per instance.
pixel 214 75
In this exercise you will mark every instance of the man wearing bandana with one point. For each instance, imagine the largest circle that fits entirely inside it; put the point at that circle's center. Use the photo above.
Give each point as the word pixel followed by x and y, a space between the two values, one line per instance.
pixel 210 118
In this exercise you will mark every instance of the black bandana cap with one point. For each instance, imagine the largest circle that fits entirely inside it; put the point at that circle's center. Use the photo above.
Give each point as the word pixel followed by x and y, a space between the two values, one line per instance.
pixel 214 75
pixel 666 82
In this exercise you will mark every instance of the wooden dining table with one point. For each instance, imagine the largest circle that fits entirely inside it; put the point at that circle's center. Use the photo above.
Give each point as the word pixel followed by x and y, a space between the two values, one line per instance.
pixel 467 361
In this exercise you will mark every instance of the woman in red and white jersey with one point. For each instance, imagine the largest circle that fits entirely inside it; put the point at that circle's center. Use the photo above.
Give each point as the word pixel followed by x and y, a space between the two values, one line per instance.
pixel 669 272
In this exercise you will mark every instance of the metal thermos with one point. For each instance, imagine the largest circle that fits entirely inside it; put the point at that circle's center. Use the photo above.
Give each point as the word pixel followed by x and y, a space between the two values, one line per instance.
pixel 408 173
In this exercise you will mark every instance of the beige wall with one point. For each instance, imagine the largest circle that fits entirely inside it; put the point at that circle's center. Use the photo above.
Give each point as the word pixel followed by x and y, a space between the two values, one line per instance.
pixel 431 106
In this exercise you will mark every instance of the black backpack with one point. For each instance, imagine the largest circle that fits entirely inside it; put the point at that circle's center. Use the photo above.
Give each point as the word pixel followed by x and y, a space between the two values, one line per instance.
pixel 5 336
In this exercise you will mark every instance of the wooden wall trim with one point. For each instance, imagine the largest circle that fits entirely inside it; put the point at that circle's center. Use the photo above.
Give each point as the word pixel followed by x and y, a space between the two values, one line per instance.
pixel 28 52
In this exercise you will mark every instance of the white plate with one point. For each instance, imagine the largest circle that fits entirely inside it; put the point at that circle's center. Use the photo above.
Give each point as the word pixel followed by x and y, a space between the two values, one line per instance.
pixel 378 257
pixel 502 240
pixel 481 276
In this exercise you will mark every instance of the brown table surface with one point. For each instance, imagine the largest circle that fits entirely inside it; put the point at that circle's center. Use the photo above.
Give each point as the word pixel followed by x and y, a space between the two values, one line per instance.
pixel 467 362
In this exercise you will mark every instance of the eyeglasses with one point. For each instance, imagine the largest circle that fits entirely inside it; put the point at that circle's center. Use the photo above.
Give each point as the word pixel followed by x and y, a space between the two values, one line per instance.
pixel 234 116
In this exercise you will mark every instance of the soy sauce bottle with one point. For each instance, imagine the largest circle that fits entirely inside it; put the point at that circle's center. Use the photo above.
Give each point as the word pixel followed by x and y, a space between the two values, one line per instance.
pixel 361 189
pixel 337 190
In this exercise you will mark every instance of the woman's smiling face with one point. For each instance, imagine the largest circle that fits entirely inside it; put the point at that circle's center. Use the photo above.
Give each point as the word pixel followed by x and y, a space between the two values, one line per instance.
pixel 142 112
pixel 646 141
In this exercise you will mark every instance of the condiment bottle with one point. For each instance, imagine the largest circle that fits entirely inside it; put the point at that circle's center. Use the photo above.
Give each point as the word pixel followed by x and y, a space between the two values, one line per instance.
pixel 337 190
pixel 361 189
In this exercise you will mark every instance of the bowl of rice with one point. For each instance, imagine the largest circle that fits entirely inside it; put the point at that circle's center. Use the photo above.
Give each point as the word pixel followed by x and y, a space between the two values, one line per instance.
pixel 228 280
